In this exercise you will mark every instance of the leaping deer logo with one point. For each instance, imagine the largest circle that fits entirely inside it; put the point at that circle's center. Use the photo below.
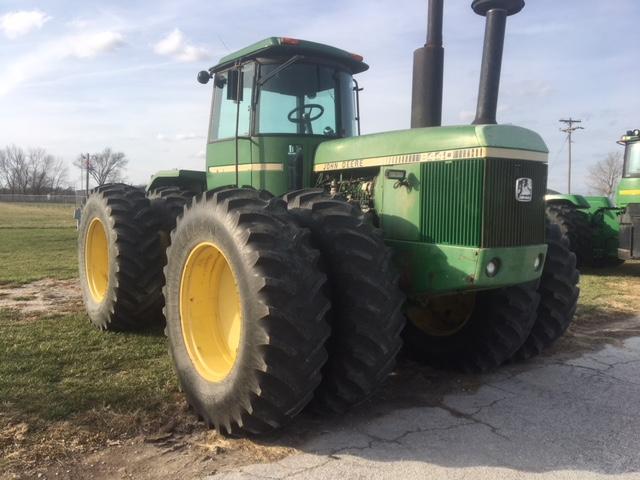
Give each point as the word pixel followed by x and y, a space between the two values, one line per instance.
pixel 524 189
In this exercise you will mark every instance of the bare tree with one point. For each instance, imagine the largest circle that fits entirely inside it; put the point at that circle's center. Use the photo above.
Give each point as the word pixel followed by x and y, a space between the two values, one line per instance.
pixel 604 176
pixel 35 172
pixel 14 169
pixel 46 173
pixel 104 167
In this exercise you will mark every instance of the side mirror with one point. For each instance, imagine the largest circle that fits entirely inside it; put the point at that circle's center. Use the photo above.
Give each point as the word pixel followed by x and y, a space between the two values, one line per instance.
pixel 203 77
pixel 234 85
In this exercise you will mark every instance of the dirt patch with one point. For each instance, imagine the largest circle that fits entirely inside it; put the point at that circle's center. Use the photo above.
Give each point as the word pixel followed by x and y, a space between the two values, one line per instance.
pixel 172 457
pixel 100 446
pixel 164 443
pixel 44 297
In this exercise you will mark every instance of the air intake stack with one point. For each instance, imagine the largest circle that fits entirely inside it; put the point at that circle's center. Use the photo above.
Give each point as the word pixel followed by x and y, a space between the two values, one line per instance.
pixel 496 13
pixel 428 64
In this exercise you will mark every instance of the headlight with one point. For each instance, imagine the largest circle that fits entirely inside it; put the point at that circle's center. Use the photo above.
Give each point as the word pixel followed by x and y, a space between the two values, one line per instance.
pixel 538 262
pixel 492 267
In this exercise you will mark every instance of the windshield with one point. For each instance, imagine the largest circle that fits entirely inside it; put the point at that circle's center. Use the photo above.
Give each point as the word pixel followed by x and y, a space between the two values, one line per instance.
pixel 632 160
pixel 306 99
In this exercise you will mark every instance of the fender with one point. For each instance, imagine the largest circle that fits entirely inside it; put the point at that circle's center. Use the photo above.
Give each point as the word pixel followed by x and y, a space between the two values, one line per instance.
pixel 189 179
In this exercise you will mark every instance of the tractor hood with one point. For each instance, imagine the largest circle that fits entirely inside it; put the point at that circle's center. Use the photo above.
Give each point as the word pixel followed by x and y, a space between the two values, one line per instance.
pixel 441 143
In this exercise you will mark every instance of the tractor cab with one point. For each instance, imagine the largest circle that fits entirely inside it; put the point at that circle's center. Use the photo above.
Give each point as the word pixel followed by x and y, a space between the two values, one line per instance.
pixel 631 141
pixel 629 197
pixel 273 103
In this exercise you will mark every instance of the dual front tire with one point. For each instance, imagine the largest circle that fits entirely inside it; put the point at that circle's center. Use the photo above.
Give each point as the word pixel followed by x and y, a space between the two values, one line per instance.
pixel 273 304
pixel 490 328
pixel 245 311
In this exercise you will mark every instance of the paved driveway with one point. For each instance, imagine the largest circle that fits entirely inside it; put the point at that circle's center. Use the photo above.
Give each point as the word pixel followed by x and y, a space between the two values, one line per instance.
pixel 559 416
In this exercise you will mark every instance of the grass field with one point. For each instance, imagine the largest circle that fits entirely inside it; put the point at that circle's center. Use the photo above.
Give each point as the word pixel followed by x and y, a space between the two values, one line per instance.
pixel 60 378
pixel 66 387
pixel 36 241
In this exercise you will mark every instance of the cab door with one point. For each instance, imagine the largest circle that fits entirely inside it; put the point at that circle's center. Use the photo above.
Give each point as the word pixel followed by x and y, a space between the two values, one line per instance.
pixel 230 128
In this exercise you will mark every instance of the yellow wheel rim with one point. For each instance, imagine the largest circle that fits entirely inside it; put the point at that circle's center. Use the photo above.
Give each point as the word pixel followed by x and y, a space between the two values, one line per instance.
pixel 210 312
pixel 444 315
pixel 96 259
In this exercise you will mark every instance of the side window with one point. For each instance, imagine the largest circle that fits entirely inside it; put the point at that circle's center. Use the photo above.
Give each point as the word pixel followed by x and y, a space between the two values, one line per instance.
pixel 225 108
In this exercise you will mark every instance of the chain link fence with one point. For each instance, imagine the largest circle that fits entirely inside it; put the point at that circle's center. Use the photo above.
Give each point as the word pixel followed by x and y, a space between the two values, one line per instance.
pixel 76 199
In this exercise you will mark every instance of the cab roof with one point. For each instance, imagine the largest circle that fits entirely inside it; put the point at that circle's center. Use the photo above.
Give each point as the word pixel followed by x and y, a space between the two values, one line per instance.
pixel 285 46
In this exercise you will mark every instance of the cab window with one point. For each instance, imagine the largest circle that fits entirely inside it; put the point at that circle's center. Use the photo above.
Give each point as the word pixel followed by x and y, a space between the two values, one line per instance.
pixel 225 107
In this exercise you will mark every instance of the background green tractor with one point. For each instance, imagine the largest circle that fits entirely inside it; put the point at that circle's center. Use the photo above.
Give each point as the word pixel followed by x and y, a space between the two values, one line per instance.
pixel 601 233
pixel 591 223
pixel 288 265
pixel 628 197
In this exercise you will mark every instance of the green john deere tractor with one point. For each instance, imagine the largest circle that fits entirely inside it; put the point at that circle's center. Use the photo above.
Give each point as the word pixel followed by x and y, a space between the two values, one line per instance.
pixel 600 233
pixel 591 223
pixel 628 197
pixel 285 271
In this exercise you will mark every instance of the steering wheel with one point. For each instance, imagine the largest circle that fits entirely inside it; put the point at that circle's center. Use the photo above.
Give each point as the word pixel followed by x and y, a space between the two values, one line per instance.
pixel 304 116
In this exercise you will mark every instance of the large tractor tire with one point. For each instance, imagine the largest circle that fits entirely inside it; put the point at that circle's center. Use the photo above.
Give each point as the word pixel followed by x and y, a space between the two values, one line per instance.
pixel 559 292
pixel 120 259
pixel 473 332
pixel 366 316
pixel 575 225
pixel 245 310
pixel 168 203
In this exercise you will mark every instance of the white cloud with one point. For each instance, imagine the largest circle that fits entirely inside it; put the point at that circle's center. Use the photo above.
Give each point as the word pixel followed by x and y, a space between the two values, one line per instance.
pixel 176 46
pixel 92 44
pixel 43 59
pixel 16 24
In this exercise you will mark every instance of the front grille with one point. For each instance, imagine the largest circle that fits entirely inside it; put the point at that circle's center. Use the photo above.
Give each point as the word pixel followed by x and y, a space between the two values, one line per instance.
pixel 452 202
pixel 473 203
pixel 508 222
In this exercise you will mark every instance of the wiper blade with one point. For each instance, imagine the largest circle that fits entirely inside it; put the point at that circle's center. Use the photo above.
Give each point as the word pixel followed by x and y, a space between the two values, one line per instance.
pixel 286 64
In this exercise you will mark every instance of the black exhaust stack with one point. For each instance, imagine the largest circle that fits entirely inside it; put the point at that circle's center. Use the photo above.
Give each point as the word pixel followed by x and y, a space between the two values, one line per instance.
pixel 496 12
pixel 428 65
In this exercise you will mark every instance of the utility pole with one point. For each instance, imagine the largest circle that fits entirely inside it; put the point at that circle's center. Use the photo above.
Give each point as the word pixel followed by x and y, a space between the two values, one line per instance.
pixel 569 131
pixel 87 166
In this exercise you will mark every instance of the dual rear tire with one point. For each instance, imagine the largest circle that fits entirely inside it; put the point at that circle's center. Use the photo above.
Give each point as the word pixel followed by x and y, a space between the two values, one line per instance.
pixel 120 259
pixel 575 226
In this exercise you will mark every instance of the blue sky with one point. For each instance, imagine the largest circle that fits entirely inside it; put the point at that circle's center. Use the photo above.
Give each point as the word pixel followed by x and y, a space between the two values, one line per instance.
pixel 80 76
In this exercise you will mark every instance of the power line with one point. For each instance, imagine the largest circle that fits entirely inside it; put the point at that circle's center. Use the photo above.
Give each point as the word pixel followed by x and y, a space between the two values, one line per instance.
pixel 558 153
pixel 569 131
